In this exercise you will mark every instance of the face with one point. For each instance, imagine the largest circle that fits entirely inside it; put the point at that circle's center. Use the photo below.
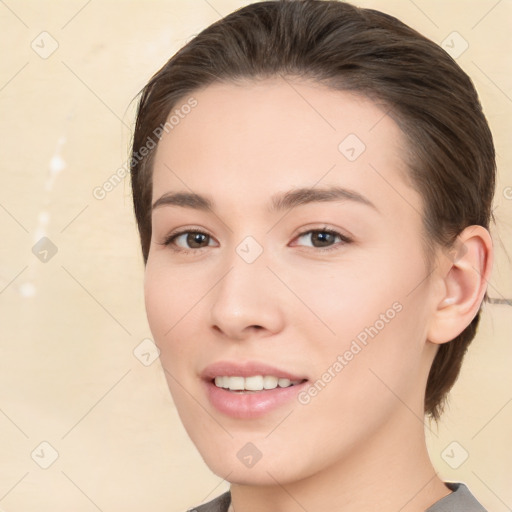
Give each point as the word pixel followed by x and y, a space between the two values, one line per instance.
pixel 258 284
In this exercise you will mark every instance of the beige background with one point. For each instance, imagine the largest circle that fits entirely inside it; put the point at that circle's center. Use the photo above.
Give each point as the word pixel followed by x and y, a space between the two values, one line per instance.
pixel 69 376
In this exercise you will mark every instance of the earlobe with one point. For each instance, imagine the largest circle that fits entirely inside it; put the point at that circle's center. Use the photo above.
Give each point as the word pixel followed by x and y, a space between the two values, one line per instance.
pixel 464 271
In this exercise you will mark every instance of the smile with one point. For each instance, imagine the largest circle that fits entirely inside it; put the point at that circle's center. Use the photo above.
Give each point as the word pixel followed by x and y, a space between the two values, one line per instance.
pixel 253 383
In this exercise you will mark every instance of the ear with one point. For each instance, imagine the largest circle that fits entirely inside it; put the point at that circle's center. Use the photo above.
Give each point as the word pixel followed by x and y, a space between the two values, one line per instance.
pixel 464 271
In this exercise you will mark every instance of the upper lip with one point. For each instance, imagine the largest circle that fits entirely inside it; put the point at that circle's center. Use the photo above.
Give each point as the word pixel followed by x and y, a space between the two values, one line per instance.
pixel 246 369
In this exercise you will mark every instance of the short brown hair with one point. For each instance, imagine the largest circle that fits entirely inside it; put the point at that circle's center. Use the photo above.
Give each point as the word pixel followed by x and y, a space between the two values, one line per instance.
pixel 451 155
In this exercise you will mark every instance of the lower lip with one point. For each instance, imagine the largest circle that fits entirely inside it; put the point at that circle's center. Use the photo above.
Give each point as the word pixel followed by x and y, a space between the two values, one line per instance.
pixel 253 404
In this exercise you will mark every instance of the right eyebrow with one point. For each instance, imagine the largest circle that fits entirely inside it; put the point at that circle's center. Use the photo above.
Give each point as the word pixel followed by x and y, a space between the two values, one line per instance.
pixel 185 200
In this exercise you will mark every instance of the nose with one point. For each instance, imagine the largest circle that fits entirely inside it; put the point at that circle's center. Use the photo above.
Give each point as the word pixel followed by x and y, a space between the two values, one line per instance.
pixel 247 301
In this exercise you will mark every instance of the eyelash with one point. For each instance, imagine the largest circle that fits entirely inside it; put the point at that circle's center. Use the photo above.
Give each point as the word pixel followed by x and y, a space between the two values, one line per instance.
pixel 169 240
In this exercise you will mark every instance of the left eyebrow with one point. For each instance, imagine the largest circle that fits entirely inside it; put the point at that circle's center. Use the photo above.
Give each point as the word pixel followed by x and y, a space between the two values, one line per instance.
pixel 302 196
pixel 279 202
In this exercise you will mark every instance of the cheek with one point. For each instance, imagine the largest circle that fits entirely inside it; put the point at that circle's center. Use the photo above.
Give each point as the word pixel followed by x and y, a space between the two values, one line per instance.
pixel 166 310
pixel 175 308
pixel 170 297
pixel 345 304
pixel 157 304
pixel 378 328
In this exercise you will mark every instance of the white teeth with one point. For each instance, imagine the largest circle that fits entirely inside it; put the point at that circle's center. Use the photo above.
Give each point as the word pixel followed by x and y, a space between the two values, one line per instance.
pixel 270 382
pixel 253 383
pixel 236 383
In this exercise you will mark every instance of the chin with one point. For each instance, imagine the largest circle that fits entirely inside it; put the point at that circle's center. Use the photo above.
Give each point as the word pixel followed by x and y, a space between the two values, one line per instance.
pixel 240 462
pixel 259 474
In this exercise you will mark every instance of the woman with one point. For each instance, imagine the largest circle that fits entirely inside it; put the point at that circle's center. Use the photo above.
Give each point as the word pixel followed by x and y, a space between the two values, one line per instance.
pixel 312 184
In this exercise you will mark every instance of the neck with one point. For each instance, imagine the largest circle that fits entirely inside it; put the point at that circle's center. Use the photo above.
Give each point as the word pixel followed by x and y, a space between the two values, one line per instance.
pixel 390 472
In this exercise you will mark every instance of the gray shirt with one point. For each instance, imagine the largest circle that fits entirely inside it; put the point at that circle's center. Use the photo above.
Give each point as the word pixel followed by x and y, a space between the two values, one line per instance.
pixel 460 500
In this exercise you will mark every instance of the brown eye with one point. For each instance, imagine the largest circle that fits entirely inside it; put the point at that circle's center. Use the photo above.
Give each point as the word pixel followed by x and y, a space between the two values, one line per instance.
pixel 324 238
pixel 188 240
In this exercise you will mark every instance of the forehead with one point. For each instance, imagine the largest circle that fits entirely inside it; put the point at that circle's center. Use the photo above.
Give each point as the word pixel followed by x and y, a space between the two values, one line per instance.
pixel 259 137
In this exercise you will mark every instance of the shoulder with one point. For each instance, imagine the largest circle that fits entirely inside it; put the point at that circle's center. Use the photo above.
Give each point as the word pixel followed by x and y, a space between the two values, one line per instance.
pixel 219 504
pixel 460 500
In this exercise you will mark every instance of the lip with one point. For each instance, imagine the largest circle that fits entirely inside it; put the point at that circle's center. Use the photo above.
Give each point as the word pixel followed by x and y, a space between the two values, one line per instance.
pixel 248 405
pixel 247 369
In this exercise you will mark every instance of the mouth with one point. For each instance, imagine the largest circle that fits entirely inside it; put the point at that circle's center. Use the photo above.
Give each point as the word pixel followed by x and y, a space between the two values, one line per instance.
pixel 250 390
pixel 253 383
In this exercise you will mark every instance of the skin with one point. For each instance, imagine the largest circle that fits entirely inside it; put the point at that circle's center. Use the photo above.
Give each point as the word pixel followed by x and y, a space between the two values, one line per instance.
pixel 299 307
